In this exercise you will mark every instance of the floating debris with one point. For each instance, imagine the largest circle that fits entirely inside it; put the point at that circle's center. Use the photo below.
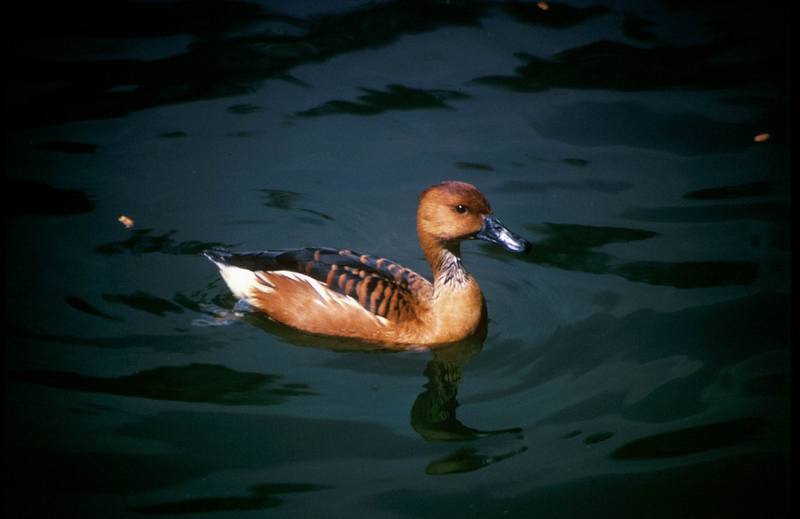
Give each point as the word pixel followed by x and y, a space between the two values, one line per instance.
pixel 126 221
pixel 761 137
pixel 543 6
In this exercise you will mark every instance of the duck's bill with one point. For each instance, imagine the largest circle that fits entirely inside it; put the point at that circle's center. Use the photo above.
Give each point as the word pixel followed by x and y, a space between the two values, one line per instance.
pixel 495 232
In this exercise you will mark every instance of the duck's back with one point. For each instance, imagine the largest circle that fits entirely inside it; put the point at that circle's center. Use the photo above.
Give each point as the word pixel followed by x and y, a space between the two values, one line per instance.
pixel 329 291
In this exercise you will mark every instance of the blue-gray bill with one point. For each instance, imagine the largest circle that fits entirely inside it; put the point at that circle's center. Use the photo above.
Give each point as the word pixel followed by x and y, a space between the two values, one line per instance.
pixel 494 231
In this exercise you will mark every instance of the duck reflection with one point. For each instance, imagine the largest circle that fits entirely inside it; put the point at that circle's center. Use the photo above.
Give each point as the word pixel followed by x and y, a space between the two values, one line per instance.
pixel 433 414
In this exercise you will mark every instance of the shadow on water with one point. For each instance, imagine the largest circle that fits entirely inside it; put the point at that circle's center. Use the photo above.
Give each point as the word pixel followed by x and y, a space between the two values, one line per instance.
pixel 206 383
pixel 599 437
pixel 198 442
pixel 738 55
pixel 84 306
pixel 220 62
pixel 244 109
pixel 173 135
pixel 588 184
pixel 29 197
pixel 180 343
pixel 570 247
pixel 142 241
pixel 607 64
pixel 65 146
pixel 396 97
pixel 775 213
pixel 637 28
pixel 767 211
pixel 229 56
pixel 575 162
pixel 689 274
pixel 280 199
pixel 628 123
pixel 262 496
pixel 141 301
pixel 145 302
pixel 736 191
pixel 692 440
pixel 474 166
pixel 286 200
pixel 201 443
pixel 571 161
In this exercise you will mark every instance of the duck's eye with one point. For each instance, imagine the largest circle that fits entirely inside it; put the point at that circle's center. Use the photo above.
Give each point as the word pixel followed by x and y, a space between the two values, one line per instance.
pixel 461 209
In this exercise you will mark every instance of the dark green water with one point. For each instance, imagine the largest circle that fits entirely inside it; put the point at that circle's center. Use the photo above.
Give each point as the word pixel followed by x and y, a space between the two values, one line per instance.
pixel 636 362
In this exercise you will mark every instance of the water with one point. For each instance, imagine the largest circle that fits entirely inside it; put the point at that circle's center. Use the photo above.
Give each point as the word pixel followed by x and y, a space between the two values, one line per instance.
pixel 636 363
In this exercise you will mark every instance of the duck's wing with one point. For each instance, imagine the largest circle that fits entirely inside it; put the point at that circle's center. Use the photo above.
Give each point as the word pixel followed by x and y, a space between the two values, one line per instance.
pixel 381 286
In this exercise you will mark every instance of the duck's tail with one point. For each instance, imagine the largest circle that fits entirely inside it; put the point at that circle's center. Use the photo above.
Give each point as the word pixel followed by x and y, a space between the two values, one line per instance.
pixel 263 260
pixel 218 256
pixel 238 270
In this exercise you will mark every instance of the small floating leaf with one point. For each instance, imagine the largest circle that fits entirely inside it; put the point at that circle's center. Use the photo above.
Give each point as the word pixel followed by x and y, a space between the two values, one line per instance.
pixel 126 221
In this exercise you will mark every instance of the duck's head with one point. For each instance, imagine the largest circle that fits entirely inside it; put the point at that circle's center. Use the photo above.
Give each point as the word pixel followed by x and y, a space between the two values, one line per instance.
pixel 453 211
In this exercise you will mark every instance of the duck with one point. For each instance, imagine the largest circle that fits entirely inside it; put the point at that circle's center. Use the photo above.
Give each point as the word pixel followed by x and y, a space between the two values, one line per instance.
pixel 346 294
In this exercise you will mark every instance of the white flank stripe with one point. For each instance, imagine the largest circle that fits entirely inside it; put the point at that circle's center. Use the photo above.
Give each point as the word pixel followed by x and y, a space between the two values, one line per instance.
pixel 328 296
pixel 321 289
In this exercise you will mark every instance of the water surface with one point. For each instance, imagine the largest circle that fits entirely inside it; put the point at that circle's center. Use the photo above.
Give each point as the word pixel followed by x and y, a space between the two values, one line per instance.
pixel 636 362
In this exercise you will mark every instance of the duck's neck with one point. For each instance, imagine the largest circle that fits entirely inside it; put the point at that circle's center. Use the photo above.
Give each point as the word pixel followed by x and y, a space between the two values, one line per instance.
pixel 457 301
pixel 448 270
pixel 445 260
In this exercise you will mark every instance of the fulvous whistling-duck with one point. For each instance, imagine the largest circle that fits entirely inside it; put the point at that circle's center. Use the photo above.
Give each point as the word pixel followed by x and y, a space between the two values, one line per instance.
pixel 346 294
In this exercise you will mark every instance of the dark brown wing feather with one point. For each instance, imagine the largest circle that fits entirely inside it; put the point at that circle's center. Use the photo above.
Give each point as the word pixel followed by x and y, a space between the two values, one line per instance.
pixel 381 286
